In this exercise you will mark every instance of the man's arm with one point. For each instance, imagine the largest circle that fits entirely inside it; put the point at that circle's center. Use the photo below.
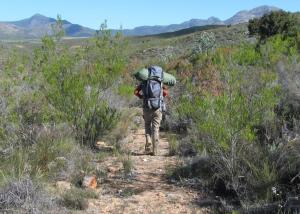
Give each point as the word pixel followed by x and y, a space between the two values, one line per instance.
pixel 165 91
pixel 137 92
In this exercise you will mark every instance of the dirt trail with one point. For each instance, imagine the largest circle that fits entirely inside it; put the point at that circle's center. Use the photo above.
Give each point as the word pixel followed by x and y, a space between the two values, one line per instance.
pixel 147 191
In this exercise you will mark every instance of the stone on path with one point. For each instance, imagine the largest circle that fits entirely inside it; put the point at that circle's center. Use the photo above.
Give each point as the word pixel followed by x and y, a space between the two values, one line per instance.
pixel 101 145
pixel 89 182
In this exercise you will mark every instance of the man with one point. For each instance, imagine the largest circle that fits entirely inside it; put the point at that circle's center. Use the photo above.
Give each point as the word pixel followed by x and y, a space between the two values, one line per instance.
pixel 152 116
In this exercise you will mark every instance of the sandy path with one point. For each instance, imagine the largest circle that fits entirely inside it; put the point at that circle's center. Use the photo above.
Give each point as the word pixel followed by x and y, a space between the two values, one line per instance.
pixel 147 191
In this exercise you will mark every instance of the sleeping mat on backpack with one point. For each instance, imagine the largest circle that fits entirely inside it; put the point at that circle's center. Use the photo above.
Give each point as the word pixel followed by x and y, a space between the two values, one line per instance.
pixel 142 75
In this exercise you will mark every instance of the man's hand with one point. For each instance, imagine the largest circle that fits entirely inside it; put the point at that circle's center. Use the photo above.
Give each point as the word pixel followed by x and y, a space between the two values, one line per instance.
pixel 137 92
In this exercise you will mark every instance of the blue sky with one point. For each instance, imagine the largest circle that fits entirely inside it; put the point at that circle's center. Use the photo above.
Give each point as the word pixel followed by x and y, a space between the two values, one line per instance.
pixel 132 13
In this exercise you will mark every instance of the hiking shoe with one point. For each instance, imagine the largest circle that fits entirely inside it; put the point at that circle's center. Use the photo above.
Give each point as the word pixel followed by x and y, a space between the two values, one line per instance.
pixel 153 154
pixel 147 151
pixel 154 150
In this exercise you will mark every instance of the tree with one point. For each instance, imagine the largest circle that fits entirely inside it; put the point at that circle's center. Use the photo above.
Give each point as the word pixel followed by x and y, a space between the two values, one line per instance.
pixel 277 22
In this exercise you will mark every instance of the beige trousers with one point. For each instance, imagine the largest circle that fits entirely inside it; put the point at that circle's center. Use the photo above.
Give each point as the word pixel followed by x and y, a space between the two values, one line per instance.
pixel 152 122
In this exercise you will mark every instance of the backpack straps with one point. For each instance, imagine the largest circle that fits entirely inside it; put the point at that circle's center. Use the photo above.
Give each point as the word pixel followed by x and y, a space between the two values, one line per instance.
pixel 161 93
pixel 147 86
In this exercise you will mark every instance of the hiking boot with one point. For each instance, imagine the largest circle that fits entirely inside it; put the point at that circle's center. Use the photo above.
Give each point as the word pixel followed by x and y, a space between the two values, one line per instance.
pixel 147 150
pixel 154 149
pixel 148 144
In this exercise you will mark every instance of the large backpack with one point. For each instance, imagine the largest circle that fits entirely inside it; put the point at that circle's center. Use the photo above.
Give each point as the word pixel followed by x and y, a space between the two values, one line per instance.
pixel 153 88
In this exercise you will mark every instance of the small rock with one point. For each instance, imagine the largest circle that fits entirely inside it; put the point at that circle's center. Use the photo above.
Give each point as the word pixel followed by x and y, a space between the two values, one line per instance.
pixel 91 204
pixel 61 159
pixel 172 196
pixel 63 185
pixel 101 145
pixel 160 194
pixel 145 160
pixel 89 182
pixel 112 169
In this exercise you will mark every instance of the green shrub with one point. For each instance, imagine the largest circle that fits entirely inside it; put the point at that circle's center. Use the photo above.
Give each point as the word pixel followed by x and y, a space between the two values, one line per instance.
pixel 205 43
pixel 253 114
pixel 54 155
pixel 247 55
pixel 126 90
pixel 46 159
pixel 298 41
pixel 278 48
pixel 277 22
pixel 14 165
pixel 77 198
pixel 77 79
pixel 224 125
pixel 173 145
pixel 199 166
pixel 288 161
pixel 127 164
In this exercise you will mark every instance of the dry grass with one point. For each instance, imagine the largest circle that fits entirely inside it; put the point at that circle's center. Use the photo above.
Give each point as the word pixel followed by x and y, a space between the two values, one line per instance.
pixel 25 195
pixel 77 198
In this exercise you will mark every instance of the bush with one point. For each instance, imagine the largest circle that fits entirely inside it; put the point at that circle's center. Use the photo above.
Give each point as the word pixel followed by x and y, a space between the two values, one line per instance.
pixel 127 164
pixel 205 43
pixel 55 156
pixel 173 145
pixel 77 198
pixel 25 194
pixel 278 22
pixel 288 162
pixel 75 82
pixel 247 55
pixel 225 125
pixel 53 98
pixel 126 90
pixel 198 166
pixel 14 195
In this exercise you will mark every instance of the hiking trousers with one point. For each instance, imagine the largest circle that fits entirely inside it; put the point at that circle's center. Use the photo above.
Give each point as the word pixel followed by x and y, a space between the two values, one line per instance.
pixel 152 122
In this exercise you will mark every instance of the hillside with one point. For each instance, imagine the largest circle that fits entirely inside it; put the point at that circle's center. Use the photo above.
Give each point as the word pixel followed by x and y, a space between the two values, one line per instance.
pixel 185 31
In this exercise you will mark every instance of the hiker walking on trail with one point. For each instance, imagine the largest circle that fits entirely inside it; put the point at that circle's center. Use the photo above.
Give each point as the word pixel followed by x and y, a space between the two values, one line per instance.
pixel 152 91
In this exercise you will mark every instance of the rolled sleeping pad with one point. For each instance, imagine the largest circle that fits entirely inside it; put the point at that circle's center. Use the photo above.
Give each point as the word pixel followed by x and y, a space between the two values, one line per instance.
pixel 142 75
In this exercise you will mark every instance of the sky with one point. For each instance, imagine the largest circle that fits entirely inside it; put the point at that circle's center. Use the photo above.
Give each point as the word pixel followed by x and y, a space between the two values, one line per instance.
pixel 133 13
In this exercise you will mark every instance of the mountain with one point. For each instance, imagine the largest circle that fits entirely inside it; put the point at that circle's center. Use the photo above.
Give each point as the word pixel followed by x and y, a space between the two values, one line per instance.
pixel 246 15
pixel 240 17
pixel 39 25
pixel 150 30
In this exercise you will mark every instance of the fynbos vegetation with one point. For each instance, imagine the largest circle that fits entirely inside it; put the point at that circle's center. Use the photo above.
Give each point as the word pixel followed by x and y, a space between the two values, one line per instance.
pixel 240 116
pixel 233 119
pixel 54 108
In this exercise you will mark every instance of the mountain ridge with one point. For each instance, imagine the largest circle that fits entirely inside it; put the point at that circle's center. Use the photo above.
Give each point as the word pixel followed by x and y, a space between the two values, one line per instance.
pixel 39 25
